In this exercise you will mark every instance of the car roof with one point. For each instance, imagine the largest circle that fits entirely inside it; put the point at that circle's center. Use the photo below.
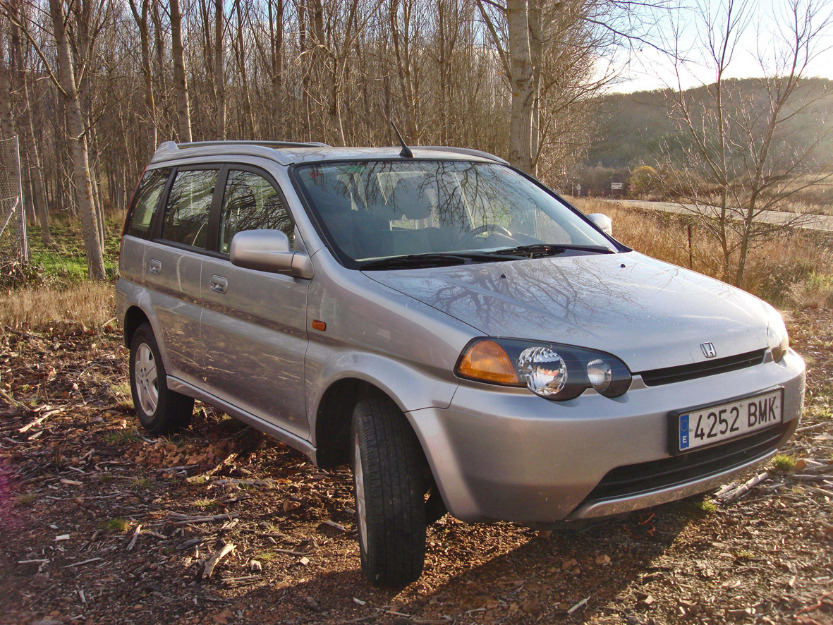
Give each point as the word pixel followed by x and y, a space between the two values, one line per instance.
pixel 288 153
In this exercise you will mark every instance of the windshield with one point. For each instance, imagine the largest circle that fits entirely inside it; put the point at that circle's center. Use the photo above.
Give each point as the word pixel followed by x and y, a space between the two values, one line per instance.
pixel 374 210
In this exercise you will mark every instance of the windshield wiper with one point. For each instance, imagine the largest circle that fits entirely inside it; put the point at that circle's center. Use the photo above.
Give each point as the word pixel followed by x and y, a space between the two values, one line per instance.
pixel 551 249
pixel 434 259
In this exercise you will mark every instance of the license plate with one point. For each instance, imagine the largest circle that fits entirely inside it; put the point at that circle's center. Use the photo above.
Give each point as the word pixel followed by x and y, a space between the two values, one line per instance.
pixel 699 427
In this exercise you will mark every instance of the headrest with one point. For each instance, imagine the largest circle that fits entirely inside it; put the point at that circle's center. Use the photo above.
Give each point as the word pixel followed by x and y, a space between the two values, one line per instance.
pixel 410 197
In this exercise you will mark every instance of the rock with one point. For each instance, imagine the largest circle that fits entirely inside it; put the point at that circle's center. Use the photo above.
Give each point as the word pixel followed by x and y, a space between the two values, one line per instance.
pixel 222 618
pixel 533 607
pixel 255 566
pixel 603 560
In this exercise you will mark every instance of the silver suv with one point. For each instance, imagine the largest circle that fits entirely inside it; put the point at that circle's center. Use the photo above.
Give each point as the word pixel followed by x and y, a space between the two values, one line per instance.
pixel 464 337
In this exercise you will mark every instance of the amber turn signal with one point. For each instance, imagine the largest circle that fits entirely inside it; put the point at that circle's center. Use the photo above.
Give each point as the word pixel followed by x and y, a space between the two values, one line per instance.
pixel 487 361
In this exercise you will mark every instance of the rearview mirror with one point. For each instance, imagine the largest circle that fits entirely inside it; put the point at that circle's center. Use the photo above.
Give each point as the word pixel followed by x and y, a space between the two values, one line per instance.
pixel 268 250
pixel 602 222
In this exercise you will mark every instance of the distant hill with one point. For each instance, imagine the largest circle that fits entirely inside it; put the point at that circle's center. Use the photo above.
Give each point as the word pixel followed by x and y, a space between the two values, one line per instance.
pixel 633 127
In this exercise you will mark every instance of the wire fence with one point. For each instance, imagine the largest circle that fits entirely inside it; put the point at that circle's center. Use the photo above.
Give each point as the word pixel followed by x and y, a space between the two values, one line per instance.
pixel 12 213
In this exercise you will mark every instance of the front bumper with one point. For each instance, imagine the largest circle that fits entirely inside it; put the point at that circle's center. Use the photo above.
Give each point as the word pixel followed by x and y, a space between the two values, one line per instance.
pixel 506 454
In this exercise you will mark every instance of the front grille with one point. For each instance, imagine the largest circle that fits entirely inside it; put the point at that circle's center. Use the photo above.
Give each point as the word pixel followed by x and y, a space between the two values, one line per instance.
pixel 635 479
pixel 702 369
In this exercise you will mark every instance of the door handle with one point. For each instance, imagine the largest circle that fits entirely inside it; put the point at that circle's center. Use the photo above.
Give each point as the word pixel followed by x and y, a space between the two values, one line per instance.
pixel 155 266
pixel 219 284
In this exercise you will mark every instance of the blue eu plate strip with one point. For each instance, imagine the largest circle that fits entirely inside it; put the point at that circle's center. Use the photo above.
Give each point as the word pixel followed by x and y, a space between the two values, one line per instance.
pixel 684 442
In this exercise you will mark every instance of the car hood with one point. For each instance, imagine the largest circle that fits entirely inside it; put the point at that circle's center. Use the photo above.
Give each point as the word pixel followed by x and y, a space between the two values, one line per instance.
pixel 648 313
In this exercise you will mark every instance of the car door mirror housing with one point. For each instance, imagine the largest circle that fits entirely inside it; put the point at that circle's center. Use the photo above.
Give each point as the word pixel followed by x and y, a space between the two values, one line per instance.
pixel 602 222
pixel 268 250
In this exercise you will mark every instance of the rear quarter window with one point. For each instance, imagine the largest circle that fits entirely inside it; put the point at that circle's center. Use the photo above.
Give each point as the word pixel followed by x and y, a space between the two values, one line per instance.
pixel 189 207
pixel 147 199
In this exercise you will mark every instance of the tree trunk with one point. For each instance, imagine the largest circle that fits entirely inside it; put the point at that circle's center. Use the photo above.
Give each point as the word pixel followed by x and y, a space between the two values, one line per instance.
pixel 219 69
pixel 536 49
pixel 183 108
pixel 141 18
pixel 78 138
pixel 35 170
pixel 520 125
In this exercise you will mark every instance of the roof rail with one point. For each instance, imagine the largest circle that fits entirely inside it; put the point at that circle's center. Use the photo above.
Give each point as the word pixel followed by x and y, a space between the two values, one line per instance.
pixel 169 150
pixel 466 151
pixel 267 144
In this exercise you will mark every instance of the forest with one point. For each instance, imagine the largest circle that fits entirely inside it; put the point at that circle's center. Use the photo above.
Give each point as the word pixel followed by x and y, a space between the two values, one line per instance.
pixel 121 77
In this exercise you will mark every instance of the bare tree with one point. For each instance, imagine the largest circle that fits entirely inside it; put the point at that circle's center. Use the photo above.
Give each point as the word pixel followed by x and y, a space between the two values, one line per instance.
pixel 739 160
pixel 183 105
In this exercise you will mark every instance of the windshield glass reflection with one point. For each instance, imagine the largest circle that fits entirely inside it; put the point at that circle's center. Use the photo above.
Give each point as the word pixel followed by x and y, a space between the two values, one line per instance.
pixel 381 209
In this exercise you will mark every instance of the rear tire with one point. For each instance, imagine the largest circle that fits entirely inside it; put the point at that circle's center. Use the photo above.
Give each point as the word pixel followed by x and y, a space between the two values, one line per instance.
pixel 388 476
pixel 160 410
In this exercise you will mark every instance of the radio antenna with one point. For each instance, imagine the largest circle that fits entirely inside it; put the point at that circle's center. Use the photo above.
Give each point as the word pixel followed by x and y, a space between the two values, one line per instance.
pixel 406 151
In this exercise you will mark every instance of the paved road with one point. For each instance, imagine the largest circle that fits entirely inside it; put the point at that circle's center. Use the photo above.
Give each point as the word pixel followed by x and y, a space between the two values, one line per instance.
pixel 819 223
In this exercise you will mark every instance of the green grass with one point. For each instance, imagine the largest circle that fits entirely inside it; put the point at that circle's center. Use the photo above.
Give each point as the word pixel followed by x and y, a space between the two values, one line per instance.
pixel 784 463
pixel 65 263
pixel 25 499
pixel 205 504
pixel 141 482
pixel 117 524
pixel 121 437
pixel 266 556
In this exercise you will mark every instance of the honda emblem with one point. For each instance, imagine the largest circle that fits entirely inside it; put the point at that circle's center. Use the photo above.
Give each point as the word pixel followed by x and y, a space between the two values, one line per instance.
pixel 708 350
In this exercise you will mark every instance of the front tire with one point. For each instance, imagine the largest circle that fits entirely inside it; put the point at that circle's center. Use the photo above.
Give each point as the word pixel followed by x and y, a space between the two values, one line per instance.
pixel 160 410
pixel 388 475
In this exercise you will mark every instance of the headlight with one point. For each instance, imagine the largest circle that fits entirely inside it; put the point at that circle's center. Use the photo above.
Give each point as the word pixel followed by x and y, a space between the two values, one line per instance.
pixel 776 335
pixel 550 370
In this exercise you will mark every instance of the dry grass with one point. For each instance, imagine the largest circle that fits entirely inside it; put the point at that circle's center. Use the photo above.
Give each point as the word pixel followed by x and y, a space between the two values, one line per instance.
pixel 795 269
pixel 89 304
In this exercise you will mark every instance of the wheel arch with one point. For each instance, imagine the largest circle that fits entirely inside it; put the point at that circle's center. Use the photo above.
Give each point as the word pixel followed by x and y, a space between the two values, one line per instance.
pixel 133 318
pixel 334 416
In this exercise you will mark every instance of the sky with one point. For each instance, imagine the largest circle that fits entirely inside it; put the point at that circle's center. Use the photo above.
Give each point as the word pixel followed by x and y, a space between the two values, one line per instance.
pixel 765 25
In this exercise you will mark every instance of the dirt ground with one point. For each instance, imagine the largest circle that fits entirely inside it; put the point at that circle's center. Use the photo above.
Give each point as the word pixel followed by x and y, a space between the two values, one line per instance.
pixel 101 525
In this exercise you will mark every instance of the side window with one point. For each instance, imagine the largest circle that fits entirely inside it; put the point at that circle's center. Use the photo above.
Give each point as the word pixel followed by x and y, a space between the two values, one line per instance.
pixel 150 189
pixel 250 202
pixel 189 204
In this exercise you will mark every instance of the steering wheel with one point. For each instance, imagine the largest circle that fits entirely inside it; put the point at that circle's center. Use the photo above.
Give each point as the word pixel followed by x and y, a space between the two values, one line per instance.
pixel 490 228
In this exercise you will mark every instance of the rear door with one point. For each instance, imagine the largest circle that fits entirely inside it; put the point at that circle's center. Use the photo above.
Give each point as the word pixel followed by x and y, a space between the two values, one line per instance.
pixel 173 268
pixel 254 322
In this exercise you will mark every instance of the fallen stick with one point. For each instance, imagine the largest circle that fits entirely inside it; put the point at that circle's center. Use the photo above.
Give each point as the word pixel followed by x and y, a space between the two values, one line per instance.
pixel 819 491
pixel 338 526
pixel 39 420
pixel 236 481
pixel 578 605
pixel 207 474
pixel 184 518
pixel 133 540
pixel 69 566
pixel 191 542
pixel 297 554
pixel 815 426
pixel 184 467
pixel 215 559
pixel 744 488
pixel 10 399
pixel 824 468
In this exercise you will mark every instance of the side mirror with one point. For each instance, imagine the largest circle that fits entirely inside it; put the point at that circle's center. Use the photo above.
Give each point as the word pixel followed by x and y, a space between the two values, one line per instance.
pixel 268 250
pixel 602 222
